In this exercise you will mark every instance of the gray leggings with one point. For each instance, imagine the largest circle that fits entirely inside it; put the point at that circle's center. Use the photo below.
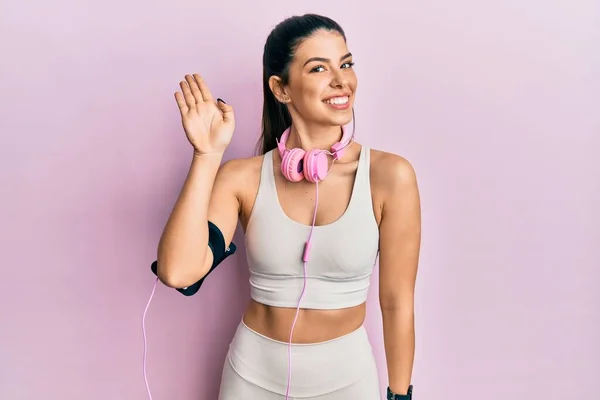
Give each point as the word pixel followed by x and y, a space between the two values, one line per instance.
pixel 256 368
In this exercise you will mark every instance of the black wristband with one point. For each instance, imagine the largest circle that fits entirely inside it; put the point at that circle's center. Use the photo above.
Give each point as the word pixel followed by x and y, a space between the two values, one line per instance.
pixel 217 245
pixel 393 396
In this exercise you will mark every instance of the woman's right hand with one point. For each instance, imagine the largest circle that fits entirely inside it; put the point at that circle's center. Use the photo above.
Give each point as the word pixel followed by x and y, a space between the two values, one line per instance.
pixel 208 124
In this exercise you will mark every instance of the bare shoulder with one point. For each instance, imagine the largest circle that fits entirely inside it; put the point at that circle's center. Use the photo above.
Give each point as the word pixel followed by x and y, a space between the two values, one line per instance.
pixel 391 172
pixel 240 174
pixel 241 177
pixel 240 169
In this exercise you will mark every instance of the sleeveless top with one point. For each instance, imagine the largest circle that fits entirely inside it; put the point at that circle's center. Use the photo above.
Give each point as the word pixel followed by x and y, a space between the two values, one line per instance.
pixel 343 253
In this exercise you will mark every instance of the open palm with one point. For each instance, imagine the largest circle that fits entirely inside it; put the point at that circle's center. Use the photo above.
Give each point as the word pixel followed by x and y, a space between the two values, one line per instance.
pixel 208 124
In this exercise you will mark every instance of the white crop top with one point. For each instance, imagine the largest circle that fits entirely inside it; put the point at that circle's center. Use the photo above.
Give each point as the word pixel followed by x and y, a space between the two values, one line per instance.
pixel 343 253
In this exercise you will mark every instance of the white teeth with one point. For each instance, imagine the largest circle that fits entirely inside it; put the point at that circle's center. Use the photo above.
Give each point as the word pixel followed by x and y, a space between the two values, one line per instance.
pixel 337 100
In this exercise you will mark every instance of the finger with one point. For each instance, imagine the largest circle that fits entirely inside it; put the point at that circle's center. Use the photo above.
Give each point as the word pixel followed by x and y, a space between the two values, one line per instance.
pixel 227 111
pixel 206 94
pixel 194 89
pixel 183 108
pixel 187 94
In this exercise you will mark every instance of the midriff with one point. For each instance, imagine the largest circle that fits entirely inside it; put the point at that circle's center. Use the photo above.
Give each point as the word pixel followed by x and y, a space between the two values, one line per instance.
pixel 312 326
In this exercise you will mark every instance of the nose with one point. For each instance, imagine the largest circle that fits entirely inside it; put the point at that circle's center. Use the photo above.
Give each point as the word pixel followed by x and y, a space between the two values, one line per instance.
pixel 338 79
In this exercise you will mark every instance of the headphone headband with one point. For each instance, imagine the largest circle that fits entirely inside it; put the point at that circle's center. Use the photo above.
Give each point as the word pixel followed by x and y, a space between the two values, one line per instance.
pixel 313 164
pixel 336 150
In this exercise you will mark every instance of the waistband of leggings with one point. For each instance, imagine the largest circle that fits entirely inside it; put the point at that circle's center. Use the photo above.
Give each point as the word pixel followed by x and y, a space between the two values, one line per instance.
pixel 317 368
pixel 358 331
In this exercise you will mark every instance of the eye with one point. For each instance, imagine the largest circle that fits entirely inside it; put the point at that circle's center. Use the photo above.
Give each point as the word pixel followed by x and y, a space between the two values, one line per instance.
pixel 321 68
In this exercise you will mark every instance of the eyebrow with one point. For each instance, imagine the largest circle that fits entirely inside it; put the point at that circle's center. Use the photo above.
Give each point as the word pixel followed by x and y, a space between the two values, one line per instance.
pixel 326 60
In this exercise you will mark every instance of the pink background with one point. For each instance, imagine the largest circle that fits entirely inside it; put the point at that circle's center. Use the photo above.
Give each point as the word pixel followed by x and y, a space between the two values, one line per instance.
pixel 496 105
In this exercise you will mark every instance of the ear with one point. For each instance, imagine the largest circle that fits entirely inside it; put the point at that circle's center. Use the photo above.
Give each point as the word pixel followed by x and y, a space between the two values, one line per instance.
pixel 278 89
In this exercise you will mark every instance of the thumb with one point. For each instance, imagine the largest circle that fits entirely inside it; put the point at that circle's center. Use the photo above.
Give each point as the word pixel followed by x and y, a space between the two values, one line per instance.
pixel 227 110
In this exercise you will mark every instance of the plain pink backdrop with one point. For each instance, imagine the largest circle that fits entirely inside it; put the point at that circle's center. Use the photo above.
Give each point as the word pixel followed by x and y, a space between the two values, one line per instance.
pixel 495 103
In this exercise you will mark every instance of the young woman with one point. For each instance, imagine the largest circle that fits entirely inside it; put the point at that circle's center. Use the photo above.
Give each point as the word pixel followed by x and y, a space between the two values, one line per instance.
pixel 317 208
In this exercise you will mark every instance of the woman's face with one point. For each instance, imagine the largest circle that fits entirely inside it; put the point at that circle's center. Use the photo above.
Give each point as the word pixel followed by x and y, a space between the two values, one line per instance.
pixel 322 82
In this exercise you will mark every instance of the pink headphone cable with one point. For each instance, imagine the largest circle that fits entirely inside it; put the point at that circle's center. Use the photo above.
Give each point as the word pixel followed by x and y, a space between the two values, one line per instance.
pixel 144 331
pixel 305 258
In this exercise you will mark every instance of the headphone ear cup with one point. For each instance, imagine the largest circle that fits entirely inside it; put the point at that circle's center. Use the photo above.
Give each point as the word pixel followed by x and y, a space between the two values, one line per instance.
pixel 315 166
pixel 293 165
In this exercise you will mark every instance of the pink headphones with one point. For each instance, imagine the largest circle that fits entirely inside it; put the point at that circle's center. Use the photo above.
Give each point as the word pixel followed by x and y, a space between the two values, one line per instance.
pixel 312 165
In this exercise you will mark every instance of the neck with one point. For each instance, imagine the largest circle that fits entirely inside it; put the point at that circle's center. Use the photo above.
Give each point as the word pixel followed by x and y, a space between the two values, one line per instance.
pixel 313 136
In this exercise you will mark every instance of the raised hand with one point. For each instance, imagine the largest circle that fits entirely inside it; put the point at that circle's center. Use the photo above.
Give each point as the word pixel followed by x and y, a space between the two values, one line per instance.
pixel 208 124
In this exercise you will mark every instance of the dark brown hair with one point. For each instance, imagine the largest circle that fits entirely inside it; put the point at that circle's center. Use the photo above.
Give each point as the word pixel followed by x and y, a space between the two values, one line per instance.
pixel 278 53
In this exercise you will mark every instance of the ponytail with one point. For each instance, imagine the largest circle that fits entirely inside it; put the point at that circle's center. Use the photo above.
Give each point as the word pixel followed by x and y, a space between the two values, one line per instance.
pixel 276 118
pixel 278 54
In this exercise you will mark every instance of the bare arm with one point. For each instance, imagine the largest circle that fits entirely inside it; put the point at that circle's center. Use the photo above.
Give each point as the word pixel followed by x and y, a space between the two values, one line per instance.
pixel 208 192
pixel 400 238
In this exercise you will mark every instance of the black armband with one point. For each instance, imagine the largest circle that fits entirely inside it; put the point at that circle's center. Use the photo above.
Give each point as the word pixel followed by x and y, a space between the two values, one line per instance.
pixel 216 242
pixel 393 396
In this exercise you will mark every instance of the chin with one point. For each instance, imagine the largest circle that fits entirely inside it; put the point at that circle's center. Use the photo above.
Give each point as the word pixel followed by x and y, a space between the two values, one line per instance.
pixel 341 118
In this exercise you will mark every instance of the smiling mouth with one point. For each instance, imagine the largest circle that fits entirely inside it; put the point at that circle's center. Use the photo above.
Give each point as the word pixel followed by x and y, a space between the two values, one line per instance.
pixel 337 101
